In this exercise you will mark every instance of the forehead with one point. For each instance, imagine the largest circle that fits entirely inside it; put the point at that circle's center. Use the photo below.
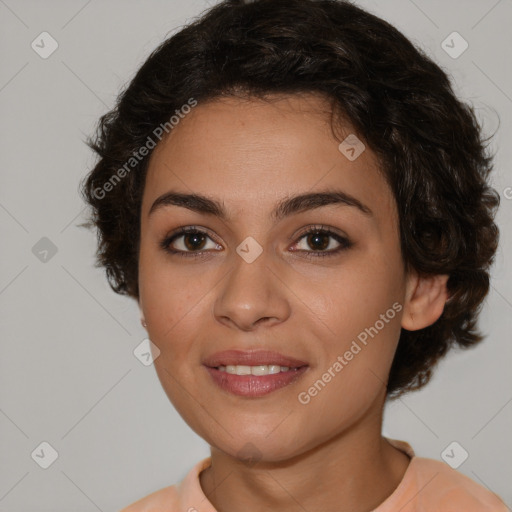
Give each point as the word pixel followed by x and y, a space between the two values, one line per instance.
pixel 255 152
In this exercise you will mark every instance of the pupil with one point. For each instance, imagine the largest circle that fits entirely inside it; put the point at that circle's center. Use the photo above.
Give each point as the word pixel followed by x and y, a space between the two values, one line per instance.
pixel 196 237
pixel 313 239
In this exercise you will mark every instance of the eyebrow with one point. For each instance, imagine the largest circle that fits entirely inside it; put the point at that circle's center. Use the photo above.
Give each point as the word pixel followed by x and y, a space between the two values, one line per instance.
pixel 286 207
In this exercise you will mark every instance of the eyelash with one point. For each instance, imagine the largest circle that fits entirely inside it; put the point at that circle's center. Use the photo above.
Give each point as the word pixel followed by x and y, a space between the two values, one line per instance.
pixel 345 242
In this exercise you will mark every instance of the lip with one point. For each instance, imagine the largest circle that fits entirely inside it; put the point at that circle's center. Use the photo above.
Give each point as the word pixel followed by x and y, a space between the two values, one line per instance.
pixel 254 385
pixel 251 358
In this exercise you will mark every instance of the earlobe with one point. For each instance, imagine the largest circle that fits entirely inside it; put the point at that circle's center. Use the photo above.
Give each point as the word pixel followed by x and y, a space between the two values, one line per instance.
pixel 425 300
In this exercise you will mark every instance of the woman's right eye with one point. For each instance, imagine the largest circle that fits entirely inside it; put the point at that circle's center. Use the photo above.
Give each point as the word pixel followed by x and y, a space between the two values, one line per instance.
pixel 187 241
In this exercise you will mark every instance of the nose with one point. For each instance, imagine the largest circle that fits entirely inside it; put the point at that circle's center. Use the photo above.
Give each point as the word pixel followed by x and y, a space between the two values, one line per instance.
pixel 252 294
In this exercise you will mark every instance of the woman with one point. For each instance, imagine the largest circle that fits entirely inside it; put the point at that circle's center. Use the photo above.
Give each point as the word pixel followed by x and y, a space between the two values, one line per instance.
pixel 299 204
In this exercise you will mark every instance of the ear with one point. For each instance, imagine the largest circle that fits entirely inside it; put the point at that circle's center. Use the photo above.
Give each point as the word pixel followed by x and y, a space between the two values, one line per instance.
pixel 425 300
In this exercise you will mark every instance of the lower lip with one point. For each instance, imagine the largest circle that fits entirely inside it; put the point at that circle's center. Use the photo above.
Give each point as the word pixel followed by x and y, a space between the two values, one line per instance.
pixel 254 385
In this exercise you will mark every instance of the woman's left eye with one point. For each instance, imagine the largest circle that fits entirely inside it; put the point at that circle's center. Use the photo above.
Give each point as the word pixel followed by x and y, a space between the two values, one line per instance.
pixel 191 241
pixel 320 239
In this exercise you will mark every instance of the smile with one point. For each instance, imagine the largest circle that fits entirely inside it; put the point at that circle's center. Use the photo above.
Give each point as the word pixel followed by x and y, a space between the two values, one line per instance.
pixel 254 381
pixel 262 369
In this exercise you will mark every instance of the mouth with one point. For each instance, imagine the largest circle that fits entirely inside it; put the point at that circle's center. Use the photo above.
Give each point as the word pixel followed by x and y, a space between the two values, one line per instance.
pixel 262 369
pixel 253 373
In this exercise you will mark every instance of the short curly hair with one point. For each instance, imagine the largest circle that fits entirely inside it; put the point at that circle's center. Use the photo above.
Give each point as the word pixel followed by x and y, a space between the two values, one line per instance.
pixel 429 143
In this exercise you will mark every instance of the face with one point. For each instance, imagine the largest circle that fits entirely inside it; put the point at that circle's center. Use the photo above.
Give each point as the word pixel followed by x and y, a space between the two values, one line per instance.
pixel 251 280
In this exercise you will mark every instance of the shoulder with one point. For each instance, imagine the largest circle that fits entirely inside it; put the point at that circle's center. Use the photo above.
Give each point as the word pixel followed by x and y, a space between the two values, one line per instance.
pixel 451 491
pixel 163 500
pixel 175 497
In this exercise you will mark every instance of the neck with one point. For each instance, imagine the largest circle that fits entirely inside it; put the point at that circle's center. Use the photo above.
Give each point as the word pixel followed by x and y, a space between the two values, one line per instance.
pixel 353 471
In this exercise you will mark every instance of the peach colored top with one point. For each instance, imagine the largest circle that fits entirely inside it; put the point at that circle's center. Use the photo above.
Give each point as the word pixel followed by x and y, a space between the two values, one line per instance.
pixel 428 485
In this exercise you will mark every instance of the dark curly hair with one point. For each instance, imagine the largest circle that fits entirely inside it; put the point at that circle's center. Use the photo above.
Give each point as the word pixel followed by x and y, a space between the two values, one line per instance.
pixel 401 103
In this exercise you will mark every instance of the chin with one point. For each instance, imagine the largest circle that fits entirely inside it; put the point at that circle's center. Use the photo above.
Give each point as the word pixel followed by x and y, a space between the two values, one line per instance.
pixel 251 449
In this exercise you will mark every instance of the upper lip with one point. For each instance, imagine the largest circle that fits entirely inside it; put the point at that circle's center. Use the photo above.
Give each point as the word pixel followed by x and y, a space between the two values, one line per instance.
pixel 251 358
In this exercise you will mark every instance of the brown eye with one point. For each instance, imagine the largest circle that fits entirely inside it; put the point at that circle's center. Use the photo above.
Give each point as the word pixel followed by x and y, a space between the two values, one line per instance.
pixel 194 241
pixel 322 241
pixel 187 241
pixel 318 241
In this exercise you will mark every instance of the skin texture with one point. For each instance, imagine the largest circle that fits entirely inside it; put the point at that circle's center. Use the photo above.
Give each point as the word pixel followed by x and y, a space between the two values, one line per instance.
pixel 328 454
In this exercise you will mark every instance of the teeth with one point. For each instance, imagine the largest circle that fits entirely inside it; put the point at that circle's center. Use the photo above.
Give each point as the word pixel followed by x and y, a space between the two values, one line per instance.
pixel 254 370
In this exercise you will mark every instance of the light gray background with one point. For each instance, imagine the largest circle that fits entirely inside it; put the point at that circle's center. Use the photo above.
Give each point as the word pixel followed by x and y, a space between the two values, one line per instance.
pixel 68 373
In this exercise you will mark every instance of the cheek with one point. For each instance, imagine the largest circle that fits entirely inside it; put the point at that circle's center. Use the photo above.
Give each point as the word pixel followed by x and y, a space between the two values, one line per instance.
pixel 357 314
pixel 353 372
pixel 167 293
pixel 344 302
pixel 174 309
